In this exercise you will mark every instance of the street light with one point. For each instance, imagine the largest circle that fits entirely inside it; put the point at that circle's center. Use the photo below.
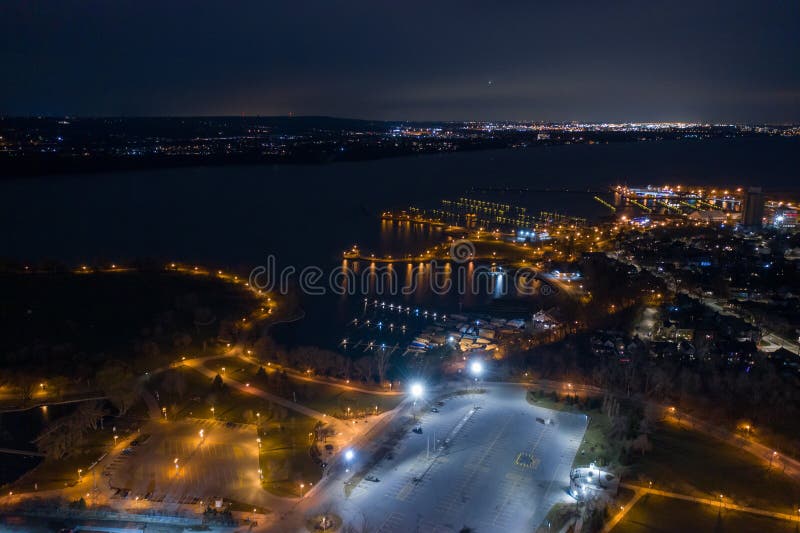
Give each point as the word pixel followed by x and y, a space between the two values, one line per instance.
pixel 348 457
pixel 476 368
pixel 417 390
pixel 115 439
pixel 416 393
pixel 212 412
pixel 202 433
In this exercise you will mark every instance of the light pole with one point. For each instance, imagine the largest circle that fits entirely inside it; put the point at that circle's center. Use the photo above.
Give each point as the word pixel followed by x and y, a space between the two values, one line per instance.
pixel 164 412
pixel 772 458
pixel 416 392
pixel 476 369
pixel 212 412
pixel 115 439
pixel 348 457
pixel 302 486
pixel 80 472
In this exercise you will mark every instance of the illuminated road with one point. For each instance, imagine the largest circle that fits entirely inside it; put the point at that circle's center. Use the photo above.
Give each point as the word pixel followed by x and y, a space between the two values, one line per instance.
pixel 329 382
pixel 715 305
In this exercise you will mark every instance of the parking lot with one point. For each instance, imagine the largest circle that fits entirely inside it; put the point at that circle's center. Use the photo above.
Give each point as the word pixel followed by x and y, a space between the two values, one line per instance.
pixel 223 462
pixel 494 467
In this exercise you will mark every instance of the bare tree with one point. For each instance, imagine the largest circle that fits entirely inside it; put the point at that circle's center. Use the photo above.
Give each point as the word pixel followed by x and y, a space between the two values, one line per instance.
pixel 382 357
pixel 118 382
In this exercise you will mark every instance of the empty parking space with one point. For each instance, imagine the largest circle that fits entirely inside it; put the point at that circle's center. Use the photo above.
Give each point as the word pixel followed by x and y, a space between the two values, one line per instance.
pixel 483 461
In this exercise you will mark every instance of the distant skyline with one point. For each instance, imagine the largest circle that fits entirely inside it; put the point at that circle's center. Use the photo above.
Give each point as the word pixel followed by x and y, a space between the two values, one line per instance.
pixel 734 61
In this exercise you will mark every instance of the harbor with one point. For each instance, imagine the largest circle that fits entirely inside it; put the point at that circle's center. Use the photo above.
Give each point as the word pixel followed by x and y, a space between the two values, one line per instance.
pixel 395 328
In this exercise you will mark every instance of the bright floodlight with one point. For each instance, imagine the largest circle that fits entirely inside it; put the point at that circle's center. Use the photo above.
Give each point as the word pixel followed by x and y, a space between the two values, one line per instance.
pixel 476 368
pixel 348 455
pixel 416 390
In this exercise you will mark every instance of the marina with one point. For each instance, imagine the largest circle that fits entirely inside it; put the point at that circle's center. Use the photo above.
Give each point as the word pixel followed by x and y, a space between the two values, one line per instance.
pixel 405 330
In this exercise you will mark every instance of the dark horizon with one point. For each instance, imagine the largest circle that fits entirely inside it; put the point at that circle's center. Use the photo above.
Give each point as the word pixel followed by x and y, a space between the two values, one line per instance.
pixel 714 62
pixel 396 121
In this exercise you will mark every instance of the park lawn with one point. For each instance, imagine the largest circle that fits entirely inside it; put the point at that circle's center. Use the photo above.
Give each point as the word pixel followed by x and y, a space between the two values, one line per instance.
pixel 325 398
pixel 557 517
pixel 660 514
pixel 230 405
pixel 691 463
pixel 596 447
pixel 285 459
pixel 335 401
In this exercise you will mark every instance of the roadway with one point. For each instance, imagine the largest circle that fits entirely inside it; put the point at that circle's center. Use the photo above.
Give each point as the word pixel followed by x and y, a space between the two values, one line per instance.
pixel 715 305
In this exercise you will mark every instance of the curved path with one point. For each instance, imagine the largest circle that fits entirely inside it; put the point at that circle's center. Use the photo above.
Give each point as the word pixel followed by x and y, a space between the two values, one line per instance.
pixel 313 379
pixel 790 466
pixel 721 504
pixel 198 366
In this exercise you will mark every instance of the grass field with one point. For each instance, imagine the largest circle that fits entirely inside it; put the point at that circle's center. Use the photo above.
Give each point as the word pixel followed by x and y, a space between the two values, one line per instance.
pixel 687 462
pixel 595 447
pixel 325 398
pixel 285 459
pixel 658 514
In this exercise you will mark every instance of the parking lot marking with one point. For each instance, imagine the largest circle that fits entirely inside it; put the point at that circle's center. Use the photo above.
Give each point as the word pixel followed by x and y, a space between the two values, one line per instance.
pixel 526 460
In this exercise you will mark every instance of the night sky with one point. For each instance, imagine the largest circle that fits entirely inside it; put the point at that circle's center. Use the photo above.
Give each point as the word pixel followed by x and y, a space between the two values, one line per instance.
pixel 727 61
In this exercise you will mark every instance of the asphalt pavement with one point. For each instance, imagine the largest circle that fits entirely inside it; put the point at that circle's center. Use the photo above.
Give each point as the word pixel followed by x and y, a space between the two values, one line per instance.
pixel 486 461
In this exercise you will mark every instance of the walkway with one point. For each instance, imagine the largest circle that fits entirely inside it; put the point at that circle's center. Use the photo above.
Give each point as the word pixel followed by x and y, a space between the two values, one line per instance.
pixel 27 453
pixel 625 508
pixel 330 382
pixel 197 365
pixel 788 465
pixel 719 503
